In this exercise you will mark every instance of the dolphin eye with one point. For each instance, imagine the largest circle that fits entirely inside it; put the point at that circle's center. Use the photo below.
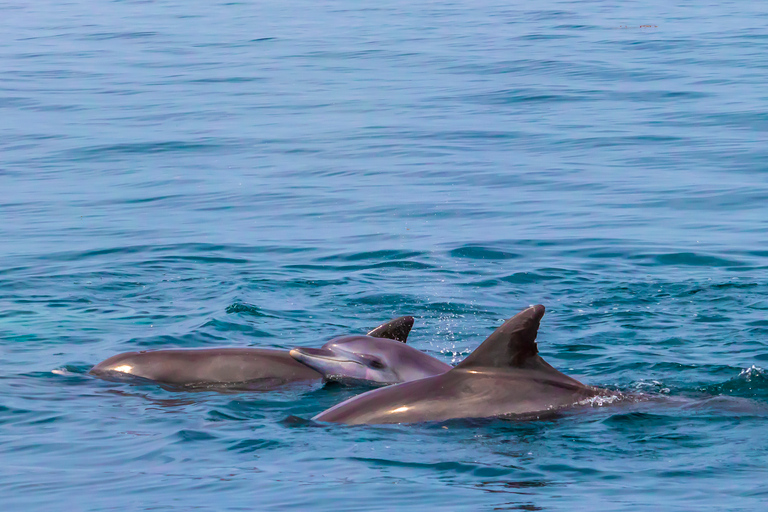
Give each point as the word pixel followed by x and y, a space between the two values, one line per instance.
pixel 376 364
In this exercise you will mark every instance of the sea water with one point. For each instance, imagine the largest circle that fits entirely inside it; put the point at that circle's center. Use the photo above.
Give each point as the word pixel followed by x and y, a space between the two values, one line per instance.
pixel 273 174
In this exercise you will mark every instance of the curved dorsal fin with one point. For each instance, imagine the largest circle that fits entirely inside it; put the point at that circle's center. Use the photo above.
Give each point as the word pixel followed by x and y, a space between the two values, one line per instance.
pixel 396 329
pixel 511 345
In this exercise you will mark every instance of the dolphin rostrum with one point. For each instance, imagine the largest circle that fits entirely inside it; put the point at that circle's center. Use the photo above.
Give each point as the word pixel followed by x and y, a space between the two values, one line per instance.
pixel 504 376
pixel 356 360
pixel 233 368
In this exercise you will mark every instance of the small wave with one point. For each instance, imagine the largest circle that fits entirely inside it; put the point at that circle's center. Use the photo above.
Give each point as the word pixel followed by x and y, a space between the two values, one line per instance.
pixel 652 385
pixel 753 372
pixel 479 252
pixel 69 370
pixel 687 259
pixel 244 307
pixel 751 382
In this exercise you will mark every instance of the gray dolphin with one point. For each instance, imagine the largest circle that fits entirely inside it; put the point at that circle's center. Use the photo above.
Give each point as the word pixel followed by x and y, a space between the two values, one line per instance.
pixel 354 359
pixel 234 368
pixel 503 376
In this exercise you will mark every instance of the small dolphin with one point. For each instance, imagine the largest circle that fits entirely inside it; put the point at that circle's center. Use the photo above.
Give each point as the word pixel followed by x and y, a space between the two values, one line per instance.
pixel 356 360
pixel 503 376
pixel 234 368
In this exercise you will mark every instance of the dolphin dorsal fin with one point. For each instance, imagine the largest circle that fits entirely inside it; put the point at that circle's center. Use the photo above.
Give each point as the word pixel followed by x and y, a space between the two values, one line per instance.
pixel 511 345
pixel 396 329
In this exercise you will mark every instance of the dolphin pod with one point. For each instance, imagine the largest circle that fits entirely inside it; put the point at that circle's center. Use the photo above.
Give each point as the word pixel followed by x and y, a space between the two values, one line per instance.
pixel 241 368
pixel 504 376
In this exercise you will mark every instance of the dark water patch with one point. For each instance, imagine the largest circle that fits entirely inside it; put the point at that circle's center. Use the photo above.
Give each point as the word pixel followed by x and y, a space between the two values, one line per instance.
pixel 614 141
pixel 620 419
pixel 116 151
pixel 39 422
pixel 743 199
pixel 247 309
pixel 410 265
pixel 228 80
pixel 574 26
pixel 686 259
pixel 378 299
pixel 254 445
pixel 225 326
pixel 515 487
pixel 195 259
pixel 477 136
pixel 675 342
pixel 551 14
pixel 545 37
pixel 104 36
pixel 216 415
pixel 316 283
pixel 12 415
pixel 189 340
pixel 439 467
pixel 710 319
pixel 158 199
pixel 186 436
pixel 11 102
pixel 528 96
pixel 482 253
pixel 96 253
pixel 536 277
pixel 733 286
pixel 207 253
pixel 655 96
pixel 299 422
pixel 571 470
pixel 16 313
pixel 386 255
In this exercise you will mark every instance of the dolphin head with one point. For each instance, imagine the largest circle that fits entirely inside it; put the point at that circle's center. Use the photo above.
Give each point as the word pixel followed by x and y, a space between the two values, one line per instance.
pixel 355 359
pixel 125 366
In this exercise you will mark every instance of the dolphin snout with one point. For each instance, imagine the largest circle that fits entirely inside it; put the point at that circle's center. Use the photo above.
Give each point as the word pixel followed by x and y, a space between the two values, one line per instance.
pixel 306 354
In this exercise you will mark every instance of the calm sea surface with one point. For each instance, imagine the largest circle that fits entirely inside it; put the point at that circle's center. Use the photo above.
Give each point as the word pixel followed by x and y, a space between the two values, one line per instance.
pixel 273 174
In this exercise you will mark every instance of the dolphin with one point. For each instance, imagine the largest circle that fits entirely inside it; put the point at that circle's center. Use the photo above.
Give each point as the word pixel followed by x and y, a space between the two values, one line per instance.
pixel 355 360
pixel 233 368
pixel 504 376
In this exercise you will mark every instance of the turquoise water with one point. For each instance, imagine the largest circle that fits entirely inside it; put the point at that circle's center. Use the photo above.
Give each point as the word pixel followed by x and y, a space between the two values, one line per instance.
pixel 273 174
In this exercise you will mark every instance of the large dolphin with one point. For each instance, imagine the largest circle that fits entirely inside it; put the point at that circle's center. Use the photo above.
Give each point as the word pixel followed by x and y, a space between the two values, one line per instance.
pixel 504 376
pixel 355 360
pixel 238 368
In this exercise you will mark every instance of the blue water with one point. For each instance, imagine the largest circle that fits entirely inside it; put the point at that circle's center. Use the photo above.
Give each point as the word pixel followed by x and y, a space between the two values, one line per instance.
pixel 273 174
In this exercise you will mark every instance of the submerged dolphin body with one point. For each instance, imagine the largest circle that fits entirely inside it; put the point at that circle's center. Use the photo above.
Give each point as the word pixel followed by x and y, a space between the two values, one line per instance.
pixel 234 368
pixel 354 359
pixel 503 376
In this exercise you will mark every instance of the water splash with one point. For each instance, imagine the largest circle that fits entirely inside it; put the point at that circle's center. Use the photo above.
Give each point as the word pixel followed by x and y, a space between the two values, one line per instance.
pixel 753 372
pixel 652 385
pixel 601 400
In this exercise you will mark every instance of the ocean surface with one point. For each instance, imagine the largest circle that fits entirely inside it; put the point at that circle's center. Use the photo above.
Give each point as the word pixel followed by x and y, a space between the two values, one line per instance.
pixel 274 174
